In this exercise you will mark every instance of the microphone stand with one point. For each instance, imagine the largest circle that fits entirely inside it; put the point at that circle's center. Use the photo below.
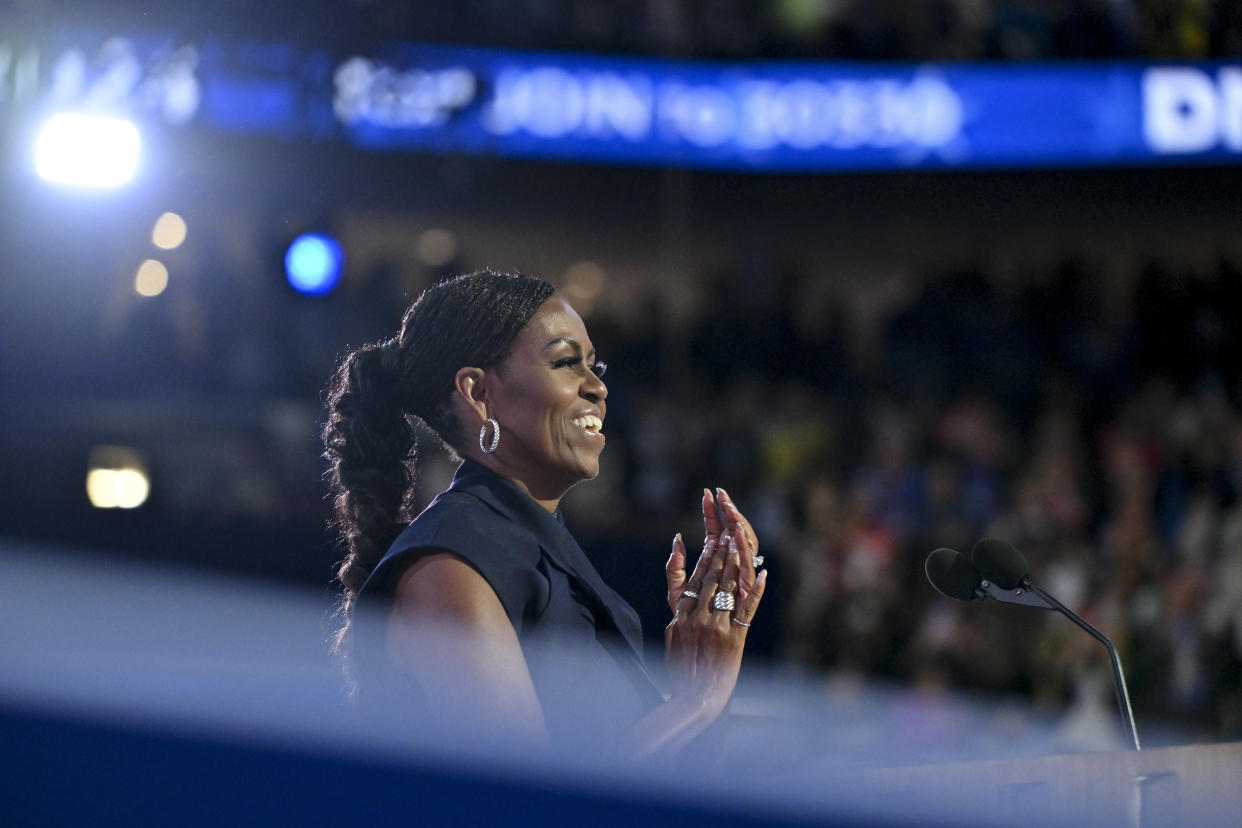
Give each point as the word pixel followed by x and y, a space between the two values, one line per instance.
pixel 1029 595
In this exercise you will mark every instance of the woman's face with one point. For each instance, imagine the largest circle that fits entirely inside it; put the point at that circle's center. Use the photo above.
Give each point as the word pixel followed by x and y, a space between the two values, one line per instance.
pixel 549 402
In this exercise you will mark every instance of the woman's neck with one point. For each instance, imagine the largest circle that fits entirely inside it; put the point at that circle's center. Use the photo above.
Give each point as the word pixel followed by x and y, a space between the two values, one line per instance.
pixel 547 495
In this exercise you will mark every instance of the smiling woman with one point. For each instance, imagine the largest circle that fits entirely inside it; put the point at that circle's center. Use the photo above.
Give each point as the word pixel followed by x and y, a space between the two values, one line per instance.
pixel 493 619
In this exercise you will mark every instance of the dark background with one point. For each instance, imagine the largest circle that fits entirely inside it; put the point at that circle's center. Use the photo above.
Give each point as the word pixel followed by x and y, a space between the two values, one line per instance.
pixel 872 365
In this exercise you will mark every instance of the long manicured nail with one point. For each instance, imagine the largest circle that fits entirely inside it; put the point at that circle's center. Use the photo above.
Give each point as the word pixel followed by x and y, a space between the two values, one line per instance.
pixel 763 577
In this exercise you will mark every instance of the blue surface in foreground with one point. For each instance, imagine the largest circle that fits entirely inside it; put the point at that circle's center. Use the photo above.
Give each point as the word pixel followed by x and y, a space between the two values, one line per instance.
pixel 60 771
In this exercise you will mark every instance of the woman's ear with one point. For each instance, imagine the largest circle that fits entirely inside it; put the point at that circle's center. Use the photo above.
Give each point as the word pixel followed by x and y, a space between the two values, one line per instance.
pixel 472 390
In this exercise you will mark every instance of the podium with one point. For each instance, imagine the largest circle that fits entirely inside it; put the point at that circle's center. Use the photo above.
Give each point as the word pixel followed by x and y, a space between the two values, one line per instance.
pixel 1195 785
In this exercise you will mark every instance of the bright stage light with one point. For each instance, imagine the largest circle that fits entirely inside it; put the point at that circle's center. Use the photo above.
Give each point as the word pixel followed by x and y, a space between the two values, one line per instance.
pixel 313 263
pixel 151 278
pixel 116 478
pixel 87 151
pixel 584 281
pixel 169 231
pixel 437 247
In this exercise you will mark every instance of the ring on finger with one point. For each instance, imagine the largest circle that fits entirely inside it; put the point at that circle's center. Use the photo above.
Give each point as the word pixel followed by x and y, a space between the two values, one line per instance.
pixel 689 593
pixel 735 621
pixel 724 601
pixel 758 561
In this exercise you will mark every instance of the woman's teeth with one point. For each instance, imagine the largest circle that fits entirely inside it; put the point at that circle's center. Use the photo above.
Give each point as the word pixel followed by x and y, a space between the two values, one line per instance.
pixel 590 422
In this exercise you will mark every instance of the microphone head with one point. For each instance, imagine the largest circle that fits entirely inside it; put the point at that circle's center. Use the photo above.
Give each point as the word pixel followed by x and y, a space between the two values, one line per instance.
pixel 1000 562
pixel 952 574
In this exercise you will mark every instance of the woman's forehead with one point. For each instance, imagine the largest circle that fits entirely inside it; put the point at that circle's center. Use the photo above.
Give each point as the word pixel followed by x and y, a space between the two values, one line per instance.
pixel 555 320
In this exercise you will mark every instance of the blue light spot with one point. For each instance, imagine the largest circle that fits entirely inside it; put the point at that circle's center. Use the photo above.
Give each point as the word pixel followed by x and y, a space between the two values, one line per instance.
pixel 313 263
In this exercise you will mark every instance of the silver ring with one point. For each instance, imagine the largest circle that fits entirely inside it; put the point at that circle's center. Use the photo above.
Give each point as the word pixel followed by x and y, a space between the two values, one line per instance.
pixel 689 593
pixel 739 623
pixel 723 601
pixel 758 561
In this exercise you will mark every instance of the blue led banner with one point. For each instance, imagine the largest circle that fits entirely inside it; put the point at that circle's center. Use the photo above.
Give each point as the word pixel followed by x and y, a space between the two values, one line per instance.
pixel 767 116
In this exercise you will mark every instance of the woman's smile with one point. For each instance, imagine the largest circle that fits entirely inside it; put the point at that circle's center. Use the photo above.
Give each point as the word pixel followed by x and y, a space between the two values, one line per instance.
pixel 591 423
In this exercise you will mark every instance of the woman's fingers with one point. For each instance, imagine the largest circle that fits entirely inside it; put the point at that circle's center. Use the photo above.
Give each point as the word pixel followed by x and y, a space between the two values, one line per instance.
pixel 675 571
pixel 746 564
pixel 728 581
pixel 745 612
pixel 707 591
pixel 734 518
pixel 712 526
pixel 730 536
pixel 747 542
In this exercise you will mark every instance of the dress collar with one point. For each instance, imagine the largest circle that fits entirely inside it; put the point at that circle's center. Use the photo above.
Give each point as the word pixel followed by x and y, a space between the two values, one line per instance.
pixel 556 541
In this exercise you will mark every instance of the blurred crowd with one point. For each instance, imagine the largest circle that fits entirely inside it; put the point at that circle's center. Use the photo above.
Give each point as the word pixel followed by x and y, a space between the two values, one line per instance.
pixel 734 29
pixel 848 29
pixel 1095 425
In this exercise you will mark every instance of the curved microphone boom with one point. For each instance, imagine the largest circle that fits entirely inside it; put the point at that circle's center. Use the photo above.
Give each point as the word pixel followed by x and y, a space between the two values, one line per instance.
pixel 996 569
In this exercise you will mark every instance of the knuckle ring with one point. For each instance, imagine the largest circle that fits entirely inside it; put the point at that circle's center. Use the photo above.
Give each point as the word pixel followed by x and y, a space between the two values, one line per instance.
pixel 758 560
pixel 739 623
pixel 723 601
pixel 689 593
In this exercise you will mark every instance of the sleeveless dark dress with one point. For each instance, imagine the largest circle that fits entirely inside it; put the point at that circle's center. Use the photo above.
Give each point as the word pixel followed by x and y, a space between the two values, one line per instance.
pixel 582 641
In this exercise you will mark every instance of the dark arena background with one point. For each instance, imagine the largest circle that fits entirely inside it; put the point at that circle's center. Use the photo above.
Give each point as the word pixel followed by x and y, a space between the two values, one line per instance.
pixel 898 276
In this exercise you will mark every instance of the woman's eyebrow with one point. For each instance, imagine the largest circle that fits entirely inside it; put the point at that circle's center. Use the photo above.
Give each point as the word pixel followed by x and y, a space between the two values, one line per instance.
pixel 573 343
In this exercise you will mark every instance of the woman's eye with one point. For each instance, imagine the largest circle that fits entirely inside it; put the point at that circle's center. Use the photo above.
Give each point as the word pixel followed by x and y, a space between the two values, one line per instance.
pixel 598 368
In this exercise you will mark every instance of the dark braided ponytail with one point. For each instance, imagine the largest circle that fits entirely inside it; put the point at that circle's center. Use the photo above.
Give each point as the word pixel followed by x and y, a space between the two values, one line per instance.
pixel 379 390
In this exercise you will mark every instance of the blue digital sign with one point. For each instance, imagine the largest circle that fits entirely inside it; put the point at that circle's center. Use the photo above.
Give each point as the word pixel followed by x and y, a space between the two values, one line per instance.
pixel 756 116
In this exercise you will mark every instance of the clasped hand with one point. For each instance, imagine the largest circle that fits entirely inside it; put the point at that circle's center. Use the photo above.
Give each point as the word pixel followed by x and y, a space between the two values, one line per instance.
pixel 703 644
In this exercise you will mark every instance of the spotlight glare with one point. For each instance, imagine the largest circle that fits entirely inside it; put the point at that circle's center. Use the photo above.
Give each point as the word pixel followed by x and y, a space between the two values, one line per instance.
pixel 169 231
pixel 313 263
pixel 131 488
pixel 116 478
pixel 437 247
pixel 584 281
pixel 87 151
pixel 100 489
pixel 587 278
pixel 151 279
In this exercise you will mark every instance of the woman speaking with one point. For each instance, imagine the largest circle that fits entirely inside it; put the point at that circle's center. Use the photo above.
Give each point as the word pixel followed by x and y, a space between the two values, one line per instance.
pixel 492 618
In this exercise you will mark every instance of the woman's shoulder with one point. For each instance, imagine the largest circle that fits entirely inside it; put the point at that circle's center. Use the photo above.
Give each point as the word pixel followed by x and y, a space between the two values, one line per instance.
pixel 503 551
pixel 462 519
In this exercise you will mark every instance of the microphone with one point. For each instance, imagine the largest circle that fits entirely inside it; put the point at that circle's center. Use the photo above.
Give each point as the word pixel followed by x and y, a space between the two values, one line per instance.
pixel 953 575
pixel 1000 562
pixel 996 569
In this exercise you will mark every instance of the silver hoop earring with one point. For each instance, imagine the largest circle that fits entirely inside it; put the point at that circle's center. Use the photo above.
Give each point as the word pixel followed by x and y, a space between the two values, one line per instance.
pixel 488 449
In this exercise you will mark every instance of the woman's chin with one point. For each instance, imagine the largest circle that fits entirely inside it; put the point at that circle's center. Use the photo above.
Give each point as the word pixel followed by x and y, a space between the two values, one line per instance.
pixel 589 470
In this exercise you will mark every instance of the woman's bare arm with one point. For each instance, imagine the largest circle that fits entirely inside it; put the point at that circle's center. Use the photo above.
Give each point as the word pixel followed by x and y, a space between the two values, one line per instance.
pixel 449 629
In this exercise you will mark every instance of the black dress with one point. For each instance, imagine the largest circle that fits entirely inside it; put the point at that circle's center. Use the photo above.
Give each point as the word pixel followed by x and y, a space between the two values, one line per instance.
pixel 581 640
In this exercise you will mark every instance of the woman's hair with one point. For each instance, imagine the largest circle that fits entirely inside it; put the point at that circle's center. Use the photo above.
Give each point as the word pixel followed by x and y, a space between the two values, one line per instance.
pixel 379 389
